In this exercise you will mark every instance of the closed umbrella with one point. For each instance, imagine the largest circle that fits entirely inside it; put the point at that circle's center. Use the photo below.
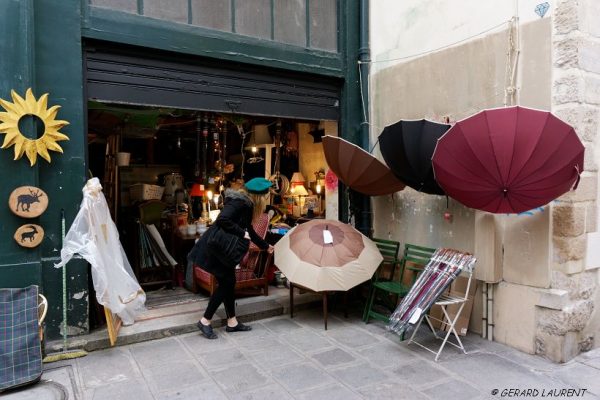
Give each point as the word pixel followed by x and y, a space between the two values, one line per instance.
pixel 508 160
pixel 307 260
pixel 407 147
pixel 358 169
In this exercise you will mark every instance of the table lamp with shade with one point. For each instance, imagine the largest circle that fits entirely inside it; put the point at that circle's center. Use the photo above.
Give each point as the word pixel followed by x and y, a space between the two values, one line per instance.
pixel 196 193
pixel 297 188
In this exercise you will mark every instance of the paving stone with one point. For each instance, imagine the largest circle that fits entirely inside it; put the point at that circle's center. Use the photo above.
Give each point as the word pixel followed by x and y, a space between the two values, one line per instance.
pixel 352 337
pixel 220 358
pixel 198 344
pixel 453 389
pixel 158 351
pixel 580 376
pixel 205 390
pixel 331 392
pixel 127 390
pixel 313 318
pixel 302 376
pixel 64 375
pixel 333 357
pixel 387 354
pixel 420 373
pixel 273 391
pixel 490 371
pixel 281 325
pixel 107 366
pixel 392 391
pixel 593 362
pixel 360 375
pixel 306 340
pixel 240 378
pixel 275 356
pixel 169 376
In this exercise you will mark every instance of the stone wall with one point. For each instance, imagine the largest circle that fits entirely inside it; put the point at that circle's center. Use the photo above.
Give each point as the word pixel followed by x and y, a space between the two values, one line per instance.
pixel 565 331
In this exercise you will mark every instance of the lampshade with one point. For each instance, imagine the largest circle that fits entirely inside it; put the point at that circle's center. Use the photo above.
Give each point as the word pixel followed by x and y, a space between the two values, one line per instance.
pixel 261 135
pixel 297 178
pixel 299 190
pixel 197 190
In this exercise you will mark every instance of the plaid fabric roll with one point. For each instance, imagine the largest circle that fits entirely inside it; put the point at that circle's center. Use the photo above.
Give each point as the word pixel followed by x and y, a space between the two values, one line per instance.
pixel 20 348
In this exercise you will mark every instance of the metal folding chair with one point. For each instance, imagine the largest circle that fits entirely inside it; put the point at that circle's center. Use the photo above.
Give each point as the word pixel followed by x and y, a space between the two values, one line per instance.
pixel 447 322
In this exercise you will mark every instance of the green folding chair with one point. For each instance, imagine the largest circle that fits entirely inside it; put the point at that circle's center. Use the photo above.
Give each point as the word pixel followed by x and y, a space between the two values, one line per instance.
pixel 413 259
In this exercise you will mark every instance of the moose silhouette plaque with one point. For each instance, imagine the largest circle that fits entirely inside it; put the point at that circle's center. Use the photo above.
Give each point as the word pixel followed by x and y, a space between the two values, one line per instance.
pixel 28 201
pixel 29 235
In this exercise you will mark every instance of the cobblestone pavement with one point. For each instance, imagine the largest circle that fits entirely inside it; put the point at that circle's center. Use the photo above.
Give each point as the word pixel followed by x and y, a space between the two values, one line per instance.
pixel 283 358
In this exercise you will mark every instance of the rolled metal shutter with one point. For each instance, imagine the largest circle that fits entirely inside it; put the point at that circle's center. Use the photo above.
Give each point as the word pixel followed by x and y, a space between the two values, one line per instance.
pixel 140 76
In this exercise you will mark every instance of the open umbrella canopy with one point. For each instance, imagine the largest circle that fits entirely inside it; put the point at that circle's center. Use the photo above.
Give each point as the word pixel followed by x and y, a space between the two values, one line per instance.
pixel 358 169
pixel 407 147
pixel 307 260
pixel 508 160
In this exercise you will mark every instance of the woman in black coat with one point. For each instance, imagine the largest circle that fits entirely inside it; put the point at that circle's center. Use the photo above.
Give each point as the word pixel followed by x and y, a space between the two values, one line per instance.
pixel 235 218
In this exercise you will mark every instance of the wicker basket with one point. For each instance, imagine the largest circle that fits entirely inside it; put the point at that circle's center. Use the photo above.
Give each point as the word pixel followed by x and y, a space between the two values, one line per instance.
pixel 144 191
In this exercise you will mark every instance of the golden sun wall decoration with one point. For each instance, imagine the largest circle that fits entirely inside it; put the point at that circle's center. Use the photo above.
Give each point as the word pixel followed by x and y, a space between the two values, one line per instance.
pixel 19 108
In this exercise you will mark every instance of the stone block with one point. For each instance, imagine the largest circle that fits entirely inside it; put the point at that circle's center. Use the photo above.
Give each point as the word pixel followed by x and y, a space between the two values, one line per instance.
pixel 586 190
pixel 555 299
pixel 589 55
pixel 566 52
pixel 592 88
pixel 566 17
pixel 568 220
pixel 568 248
pixel 572 318
pixel 590 163
pixel 568 88
pixel 591 216
pixel 511 327
pixel 569 267
pixel 558 348
pixel 585 120
pixel 590 9
pixel 526 249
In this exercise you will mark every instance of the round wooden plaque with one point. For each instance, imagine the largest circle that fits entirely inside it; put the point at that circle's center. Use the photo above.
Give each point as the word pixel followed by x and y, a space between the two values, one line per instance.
pixel 29 235
pixel 28 201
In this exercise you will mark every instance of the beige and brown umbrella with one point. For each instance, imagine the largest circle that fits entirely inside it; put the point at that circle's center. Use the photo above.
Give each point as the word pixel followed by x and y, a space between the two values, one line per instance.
pixel 359 169
pixel 306 260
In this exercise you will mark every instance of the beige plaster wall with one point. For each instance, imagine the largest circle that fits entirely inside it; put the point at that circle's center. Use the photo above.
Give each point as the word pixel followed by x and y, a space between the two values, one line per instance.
pixel 458 82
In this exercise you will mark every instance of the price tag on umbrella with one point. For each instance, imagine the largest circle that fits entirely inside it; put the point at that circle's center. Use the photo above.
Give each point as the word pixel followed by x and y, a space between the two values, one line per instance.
pixel 327 237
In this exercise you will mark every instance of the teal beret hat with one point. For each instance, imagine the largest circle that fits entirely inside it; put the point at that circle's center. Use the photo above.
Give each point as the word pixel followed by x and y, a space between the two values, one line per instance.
pixel 258 186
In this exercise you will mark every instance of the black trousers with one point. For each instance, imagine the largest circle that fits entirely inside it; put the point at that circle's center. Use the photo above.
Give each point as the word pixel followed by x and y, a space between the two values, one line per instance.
pixel 225 292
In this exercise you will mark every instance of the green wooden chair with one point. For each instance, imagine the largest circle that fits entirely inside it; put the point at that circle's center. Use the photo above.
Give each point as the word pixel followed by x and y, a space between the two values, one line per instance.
pixel 413 259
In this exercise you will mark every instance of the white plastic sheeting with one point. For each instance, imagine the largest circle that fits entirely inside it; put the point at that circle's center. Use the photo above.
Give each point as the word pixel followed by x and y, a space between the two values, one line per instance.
pixel 94 237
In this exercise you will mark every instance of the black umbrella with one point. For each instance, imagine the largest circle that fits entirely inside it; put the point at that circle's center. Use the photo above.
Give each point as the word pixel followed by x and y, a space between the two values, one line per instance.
pixel 407 148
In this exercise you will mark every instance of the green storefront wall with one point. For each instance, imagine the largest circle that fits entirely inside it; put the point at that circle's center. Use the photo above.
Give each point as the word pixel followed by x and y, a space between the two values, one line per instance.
pixel 41 48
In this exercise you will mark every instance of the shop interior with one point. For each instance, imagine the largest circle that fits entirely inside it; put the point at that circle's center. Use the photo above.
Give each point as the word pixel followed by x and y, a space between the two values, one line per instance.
pixel 169 167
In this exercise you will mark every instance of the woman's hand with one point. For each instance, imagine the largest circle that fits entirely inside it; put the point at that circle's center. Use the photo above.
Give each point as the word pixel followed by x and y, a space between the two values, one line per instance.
pixel 271 249
pixel 246 235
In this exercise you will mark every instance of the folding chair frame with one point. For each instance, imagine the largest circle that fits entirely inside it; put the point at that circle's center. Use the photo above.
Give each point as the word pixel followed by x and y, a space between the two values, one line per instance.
pixel 444 301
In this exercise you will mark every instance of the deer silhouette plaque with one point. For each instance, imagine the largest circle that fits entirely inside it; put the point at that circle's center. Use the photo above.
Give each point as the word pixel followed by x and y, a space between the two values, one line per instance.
pixel 28 201
pixel 29 235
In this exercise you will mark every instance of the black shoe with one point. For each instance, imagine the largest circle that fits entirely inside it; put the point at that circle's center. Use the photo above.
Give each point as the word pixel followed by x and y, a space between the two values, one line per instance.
pixel 207 330
pixel 238 328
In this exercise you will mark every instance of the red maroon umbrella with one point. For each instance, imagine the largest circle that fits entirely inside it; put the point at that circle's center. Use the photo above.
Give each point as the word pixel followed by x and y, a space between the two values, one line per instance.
pixel 359 169
pixel 508 160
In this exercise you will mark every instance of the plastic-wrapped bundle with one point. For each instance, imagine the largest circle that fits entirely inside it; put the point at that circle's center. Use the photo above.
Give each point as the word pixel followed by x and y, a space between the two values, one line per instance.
pixel 94 236
pixel 445 265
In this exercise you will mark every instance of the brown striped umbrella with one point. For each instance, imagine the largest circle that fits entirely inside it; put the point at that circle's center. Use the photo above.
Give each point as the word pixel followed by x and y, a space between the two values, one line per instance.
pixel 306 260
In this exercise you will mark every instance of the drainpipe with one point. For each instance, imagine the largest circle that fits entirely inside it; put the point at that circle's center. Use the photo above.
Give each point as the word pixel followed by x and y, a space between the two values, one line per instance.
pixel 364 57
